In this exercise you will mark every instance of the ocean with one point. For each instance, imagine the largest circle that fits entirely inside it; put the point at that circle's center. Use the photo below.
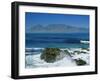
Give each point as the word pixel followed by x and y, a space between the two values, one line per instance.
pixel 56 40
pixel 35 44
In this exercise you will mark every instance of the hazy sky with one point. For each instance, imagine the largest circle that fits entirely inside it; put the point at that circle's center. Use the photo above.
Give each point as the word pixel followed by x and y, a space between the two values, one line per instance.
pixel 44 19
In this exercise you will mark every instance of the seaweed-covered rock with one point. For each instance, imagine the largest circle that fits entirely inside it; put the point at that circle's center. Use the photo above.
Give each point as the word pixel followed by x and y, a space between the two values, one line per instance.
pixel 50 54
pixel 80 62
pixel 67 52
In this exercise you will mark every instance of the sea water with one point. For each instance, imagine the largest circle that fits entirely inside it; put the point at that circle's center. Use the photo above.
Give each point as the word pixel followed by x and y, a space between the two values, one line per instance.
pixel 36 42
pixel 56 40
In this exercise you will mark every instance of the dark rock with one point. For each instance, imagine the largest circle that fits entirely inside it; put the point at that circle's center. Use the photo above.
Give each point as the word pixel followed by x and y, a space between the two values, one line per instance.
pixel 50 55
pixel 80 62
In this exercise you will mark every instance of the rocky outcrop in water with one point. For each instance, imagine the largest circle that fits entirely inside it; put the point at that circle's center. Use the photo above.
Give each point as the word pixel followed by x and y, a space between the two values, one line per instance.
pixel 51 55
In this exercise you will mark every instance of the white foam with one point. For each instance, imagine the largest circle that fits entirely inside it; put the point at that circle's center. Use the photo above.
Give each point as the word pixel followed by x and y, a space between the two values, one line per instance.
pixel 84 42
pixel 37 62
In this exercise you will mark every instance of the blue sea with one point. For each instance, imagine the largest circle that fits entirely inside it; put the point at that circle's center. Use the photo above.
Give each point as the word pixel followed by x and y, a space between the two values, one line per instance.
pixel 56 40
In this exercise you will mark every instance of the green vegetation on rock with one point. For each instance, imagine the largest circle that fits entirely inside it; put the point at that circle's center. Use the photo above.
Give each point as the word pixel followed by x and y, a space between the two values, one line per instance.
pixel 85 49
pixel 78 52
pixel 80 62
pixel 67 52
pixel 50 54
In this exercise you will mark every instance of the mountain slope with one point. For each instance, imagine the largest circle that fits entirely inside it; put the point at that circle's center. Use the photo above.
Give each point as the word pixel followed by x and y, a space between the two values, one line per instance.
pixel 56 28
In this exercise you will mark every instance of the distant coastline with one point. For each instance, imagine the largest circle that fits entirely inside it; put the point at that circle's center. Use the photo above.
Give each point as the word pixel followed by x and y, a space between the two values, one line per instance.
pixel 56 28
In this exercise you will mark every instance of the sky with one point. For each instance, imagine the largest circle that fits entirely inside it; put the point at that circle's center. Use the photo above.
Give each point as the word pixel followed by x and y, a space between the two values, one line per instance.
pixel 44 19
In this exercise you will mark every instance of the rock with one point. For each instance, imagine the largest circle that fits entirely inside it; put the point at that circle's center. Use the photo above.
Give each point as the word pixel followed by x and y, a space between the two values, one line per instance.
pixel 80 62
pixel 60 56
pixel 51 55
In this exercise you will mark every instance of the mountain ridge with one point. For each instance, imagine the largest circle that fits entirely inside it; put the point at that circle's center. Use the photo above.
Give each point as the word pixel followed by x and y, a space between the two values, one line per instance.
pixel 56 28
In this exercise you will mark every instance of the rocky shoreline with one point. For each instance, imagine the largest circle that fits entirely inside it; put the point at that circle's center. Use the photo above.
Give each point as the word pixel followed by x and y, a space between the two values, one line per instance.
pixel 65 57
